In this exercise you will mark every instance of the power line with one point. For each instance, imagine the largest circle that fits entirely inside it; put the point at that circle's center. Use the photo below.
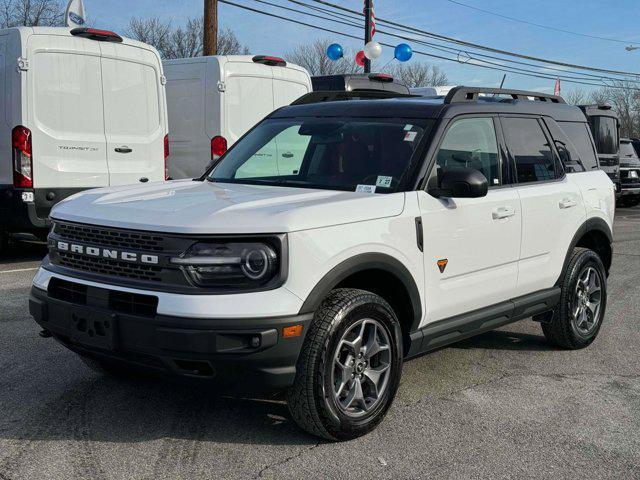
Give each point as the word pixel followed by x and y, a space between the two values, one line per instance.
pixel 447 49
pixel 539 25
pixel 501 69
pixel 483 47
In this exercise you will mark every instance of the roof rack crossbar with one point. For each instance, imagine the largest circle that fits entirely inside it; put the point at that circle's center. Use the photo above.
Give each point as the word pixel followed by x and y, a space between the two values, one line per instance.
pixel 471 94
pixel 336 95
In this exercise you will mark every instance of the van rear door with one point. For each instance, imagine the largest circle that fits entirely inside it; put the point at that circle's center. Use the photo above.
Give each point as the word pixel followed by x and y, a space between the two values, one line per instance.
pixel 65 113
pixel 133 113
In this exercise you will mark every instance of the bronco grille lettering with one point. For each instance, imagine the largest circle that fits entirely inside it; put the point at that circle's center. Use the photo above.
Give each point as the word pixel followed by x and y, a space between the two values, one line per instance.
pixel 107 253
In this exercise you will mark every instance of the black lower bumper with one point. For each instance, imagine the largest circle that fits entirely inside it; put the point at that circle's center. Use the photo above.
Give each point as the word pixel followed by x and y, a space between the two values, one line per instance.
pixel 19 216
pixel 243 353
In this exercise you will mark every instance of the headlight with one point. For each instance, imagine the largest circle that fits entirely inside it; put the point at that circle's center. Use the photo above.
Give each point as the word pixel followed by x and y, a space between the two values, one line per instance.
pixel 633 174
pixel 231 265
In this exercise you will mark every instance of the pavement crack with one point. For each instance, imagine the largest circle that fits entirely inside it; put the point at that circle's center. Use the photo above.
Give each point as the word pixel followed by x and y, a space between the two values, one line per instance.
pixel 285 460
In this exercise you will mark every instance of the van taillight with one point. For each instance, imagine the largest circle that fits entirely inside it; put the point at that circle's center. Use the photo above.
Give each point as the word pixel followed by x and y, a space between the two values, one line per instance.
pixel 166 157
pixel 22 158
pixel 218 147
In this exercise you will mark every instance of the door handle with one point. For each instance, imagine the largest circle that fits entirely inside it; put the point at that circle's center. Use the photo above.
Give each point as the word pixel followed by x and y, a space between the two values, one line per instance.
pixel 503 212
pixel 567 203
pixel 123 150
pixel 287 155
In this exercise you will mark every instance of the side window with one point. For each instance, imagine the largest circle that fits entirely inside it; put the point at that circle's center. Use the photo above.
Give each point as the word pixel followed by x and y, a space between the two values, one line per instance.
pixel 580 134
pixel 471 142
pixel 534 158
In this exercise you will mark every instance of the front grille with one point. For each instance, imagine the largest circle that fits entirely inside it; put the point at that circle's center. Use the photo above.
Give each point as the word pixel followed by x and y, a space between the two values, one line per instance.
pixel 133 303
pixel 75 293
pixel 102 266
pixel 107 237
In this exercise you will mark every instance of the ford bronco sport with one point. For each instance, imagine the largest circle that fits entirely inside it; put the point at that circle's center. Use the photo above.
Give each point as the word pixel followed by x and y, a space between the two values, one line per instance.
pixel 335 241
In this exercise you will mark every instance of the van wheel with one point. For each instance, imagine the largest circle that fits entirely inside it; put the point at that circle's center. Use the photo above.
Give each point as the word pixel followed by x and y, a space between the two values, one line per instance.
pixel 578 317
pixel 349 368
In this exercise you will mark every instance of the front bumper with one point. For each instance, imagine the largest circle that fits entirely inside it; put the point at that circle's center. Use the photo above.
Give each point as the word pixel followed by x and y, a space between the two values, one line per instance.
pixel 205 348
pixel 635 190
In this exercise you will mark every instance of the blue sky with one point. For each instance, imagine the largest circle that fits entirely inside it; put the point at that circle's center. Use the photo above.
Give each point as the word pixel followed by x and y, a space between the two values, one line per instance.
pixel 616 19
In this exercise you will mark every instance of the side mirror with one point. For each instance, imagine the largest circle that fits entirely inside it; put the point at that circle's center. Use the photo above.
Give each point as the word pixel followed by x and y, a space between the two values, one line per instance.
pixel 460 182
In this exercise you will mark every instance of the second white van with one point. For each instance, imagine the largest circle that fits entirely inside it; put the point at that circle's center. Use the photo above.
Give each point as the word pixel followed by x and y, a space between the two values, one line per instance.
pixel 79 109
pixel 214 100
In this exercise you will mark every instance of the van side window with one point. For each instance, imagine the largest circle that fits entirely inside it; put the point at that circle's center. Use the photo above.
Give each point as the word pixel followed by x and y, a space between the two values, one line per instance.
pixel 581 137
pixel 471 142
pixel 605 134
pixel 535 160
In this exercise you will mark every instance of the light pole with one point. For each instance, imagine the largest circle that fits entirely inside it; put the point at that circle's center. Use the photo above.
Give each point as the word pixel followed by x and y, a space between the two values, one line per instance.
pixel 210 41
pixel 367 32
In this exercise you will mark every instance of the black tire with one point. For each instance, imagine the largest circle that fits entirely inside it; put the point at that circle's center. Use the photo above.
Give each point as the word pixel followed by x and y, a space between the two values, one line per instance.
pixel 562 330
pixel 4 243
pixel 633 201
pixel 311 400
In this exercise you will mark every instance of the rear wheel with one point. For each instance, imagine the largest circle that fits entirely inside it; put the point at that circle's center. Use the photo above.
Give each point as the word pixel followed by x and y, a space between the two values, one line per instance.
pixel 4 243
pixel 349 368
pixel 577 319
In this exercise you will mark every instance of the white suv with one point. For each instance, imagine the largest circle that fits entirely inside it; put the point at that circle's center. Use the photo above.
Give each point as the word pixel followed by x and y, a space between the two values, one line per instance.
pixel 395 226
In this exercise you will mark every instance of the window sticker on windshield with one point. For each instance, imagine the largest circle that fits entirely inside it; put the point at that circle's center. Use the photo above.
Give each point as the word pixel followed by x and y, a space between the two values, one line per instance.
pixel 410 136
pixel 408 126
pixel 366 188
pixel 384 182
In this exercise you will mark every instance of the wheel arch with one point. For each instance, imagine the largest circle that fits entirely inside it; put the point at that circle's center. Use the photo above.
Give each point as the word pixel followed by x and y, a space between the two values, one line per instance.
pixel 380 274
pixel 596 235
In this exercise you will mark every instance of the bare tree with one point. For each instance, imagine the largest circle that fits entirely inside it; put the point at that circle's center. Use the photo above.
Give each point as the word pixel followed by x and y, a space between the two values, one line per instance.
pixel 31 13
pixel 313 57
pixel 183 41
pixel 419 74
pixel 625 100
pixel 576 96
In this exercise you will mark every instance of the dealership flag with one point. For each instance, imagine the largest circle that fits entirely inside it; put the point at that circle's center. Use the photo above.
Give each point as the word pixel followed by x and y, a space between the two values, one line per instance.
pixel 556 90
pixel 75 14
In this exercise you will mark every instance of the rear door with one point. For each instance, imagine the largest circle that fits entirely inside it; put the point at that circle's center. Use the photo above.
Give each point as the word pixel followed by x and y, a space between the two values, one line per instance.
pixel 552 206
pixel 133 114
pixel 65 112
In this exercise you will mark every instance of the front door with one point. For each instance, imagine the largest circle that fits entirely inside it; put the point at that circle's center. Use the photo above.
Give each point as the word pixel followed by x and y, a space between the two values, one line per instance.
pixel 471 245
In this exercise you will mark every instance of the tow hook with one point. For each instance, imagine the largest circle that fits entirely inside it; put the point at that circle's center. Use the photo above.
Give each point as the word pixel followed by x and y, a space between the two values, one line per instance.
pixel 45 334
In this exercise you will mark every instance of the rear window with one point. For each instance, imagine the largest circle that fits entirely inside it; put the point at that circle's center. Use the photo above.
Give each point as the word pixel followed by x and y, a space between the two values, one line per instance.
pixel 605 134
pixel 579 135
pixel 130 98
pixel 353 154
pixel 68 93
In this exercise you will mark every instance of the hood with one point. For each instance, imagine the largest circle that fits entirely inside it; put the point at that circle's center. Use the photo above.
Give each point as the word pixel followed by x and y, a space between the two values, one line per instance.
pixel 187 206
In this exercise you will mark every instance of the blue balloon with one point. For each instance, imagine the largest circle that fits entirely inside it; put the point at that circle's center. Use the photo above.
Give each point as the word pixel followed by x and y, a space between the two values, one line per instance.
pixel 403 52
pixel 335 51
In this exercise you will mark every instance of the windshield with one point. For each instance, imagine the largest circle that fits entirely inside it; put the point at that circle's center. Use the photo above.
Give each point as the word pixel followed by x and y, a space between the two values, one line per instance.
pixel 368 155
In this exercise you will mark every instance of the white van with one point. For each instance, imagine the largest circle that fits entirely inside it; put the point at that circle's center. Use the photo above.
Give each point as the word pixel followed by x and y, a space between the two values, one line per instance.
pixel 213 101
pixel 79 109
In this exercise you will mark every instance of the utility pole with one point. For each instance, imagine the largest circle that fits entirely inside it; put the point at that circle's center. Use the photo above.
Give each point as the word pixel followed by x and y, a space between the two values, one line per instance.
pixel 210 46
pixel 367 32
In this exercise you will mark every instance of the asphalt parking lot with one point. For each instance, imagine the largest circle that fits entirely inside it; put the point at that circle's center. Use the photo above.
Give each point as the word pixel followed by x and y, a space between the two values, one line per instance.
pixel 504 404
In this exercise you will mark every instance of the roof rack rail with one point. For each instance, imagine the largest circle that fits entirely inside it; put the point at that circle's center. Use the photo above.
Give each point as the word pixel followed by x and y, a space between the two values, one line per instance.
pixel 335 95
pixel 471 94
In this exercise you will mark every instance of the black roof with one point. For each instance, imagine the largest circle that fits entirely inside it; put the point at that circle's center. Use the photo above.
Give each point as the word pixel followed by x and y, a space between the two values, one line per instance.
pixel 425 107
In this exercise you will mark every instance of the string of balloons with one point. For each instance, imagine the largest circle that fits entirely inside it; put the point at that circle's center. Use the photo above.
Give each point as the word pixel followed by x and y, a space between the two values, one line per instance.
pixel 371 50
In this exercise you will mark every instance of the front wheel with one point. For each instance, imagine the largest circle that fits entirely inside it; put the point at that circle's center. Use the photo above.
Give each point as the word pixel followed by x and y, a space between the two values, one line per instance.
pixel 349 367
pixel 577 319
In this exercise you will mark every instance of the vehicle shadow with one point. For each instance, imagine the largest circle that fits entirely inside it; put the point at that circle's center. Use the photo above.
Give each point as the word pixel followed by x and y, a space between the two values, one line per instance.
pixel 23 251
pixel 506 340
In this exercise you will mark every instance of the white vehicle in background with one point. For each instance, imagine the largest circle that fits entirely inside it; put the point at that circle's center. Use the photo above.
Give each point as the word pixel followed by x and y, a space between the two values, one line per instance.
pixel 215 100
pixel 432 91
pixel 81 108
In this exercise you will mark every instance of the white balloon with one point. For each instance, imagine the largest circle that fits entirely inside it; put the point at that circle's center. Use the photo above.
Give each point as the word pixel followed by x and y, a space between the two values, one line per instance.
pixel 372 50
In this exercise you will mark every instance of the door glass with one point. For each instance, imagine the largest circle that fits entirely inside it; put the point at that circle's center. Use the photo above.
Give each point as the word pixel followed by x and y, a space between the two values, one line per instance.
pixel 471 142
pixel 68 93
pixel 535 161
pixel 130 98
pixel 579 134
pixel 605 134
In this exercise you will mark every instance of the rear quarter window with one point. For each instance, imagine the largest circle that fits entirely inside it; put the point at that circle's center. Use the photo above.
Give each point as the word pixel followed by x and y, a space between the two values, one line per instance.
pixel 579 134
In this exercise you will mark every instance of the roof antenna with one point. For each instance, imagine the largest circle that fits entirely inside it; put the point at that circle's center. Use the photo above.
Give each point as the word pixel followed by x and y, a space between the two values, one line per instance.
pixel 501 83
